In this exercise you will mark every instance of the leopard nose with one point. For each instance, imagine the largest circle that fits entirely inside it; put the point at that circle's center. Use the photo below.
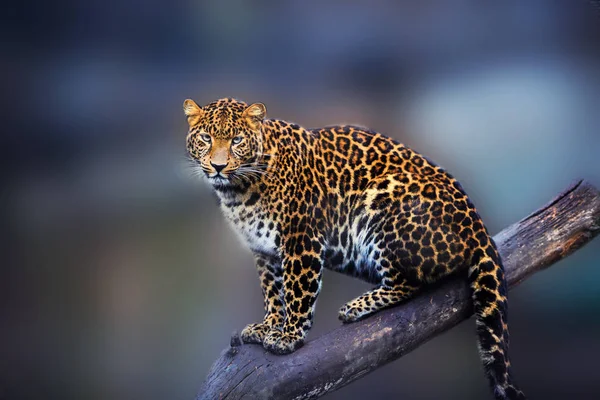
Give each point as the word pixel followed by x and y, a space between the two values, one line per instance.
pixel 218 167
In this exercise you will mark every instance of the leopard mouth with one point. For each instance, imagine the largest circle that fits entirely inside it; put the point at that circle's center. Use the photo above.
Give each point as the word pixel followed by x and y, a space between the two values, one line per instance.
pixel 219 180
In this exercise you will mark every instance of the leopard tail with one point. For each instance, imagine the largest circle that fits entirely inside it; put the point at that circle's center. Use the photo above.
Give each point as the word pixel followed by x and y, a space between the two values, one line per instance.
pixel 488 284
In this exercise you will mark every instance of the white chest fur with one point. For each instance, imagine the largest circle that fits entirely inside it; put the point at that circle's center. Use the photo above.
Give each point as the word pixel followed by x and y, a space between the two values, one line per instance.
pixel 253 226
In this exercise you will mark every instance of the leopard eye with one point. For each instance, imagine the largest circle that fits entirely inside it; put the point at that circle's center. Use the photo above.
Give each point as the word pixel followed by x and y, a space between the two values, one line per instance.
pixel 237 140
pixel 205 137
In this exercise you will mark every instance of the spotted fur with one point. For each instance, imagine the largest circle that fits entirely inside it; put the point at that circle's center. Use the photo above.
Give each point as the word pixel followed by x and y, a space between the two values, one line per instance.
pixel 353 201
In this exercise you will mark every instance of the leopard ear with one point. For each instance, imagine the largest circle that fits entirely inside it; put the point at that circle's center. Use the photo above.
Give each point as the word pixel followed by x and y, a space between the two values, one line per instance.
pixel 255 113
pixel 192 111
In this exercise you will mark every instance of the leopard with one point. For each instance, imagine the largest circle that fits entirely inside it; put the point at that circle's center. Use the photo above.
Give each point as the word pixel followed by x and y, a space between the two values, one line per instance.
pixel 354 201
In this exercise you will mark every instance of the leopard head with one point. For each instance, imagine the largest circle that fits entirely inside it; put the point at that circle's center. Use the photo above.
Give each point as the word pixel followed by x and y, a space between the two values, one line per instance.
pixel 225 137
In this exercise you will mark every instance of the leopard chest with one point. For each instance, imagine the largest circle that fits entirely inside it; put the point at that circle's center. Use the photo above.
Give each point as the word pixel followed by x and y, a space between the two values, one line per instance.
pixel 254 226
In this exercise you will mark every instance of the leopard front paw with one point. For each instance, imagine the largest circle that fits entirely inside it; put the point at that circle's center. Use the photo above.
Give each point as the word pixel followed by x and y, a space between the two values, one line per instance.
pixel 281 343
pixel 255 333
pixel 349 313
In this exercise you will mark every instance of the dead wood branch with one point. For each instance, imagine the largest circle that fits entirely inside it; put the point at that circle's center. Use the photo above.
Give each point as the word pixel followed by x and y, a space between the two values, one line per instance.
pixel 329 362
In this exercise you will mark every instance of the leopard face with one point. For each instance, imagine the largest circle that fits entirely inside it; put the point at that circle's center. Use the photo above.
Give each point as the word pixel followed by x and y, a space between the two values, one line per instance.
pixel 224 138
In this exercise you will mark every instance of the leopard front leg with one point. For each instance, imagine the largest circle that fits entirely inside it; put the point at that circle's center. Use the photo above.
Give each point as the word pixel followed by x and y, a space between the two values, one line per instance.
pixel 271 282
pixel 302 268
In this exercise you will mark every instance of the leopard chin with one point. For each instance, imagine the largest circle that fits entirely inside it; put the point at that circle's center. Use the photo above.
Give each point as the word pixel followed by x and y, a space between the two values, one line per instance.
pixel 220 181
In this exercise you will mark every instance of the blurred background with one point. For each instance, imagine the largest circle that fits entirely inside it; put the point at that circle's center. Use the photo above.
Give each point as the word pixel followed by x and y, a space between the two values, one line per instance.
pixel 120 278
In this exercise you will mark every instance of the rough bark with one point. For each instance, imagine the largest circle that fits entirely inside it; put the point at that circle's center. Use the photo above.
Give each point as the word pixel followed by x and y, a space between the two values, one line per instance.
pixel 331 361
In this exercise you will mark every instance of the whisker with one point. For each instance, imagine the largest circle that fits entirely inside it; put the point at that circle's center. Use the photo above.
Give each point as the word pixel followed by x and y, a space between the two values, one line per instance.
pixel 259 171
pixel 249 174
pixel 192 167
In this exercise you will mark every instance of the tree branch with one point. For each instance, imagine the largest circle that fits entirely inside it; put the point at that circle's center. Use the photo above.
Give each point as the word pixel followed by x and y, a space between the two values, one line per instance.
pixel 351 351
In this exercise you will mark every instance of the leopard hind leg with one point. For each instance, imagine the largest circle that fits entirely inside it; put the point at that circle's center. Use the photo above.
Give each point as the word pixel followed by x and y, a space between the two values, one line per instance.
pixel 376 299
